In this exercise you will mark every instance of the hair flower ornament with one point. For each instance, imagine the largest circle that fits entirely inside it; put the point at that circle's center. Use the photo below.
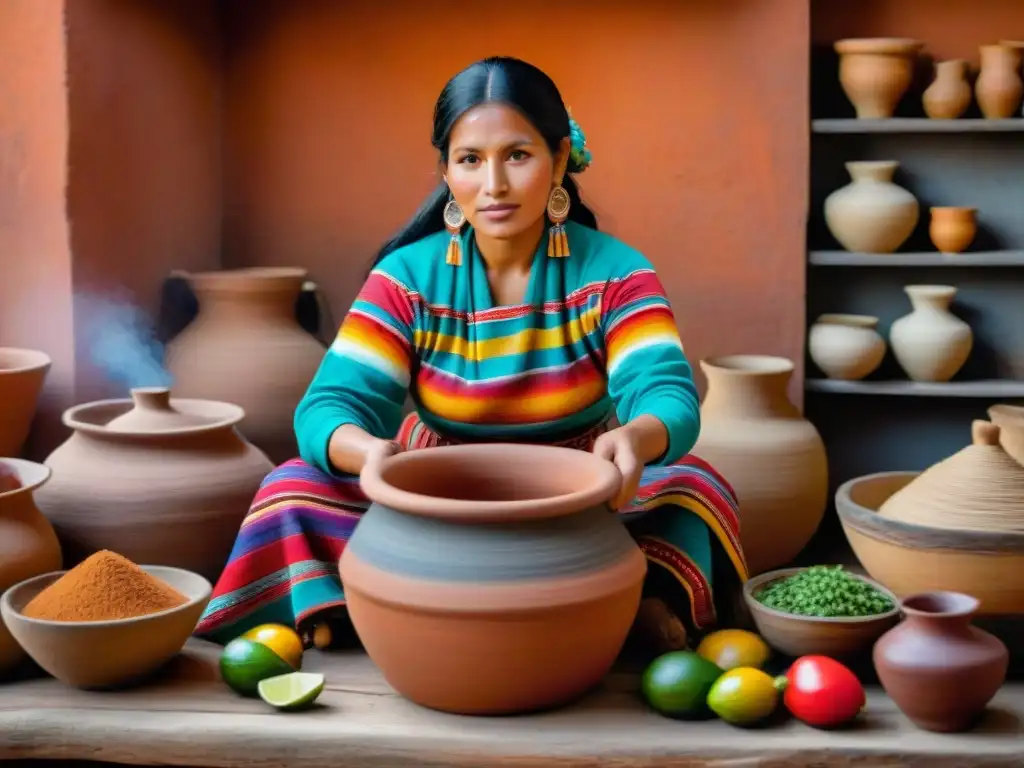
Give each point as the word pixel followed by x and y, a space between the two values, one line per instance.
pixel 581 156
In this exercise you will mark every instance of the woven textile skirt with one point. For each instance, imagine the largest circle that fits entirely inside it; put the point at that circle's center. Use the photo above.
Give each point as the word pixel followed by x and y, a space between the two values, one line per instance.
pixel 284 565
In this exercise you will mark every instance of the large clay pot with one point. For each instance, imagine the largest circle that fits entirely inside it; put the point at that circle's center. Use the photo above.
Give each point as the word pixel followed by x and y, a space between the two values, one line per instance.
pixel 936 667
pixel 871 214
pixel 28 545
pixel 22 372
pixel 875 72
pixel 489 579
pixel 246 347
pixel 160 480
pixel 931 343
pixel 772 457
pixel 952 228
pixel 999 87
pixel 846 347
pixel 949 95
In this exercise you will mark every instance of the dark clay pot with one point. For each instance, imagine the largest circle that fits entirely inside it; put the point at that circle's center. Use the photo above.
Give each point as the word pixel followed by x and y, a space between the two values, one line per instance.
pixel 939 669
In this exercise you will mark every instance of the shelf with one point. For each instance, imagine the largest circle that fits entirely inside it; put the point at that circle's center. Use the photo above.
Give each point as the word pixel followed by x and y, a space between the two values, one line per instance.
pixel 985 388
pixel 917 125
pixel 924 259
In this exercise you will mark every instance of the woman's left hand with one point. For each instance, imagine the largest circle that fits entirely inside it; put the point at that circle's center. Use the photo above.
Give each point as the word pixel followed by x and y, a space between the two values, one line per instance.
pixel 620 447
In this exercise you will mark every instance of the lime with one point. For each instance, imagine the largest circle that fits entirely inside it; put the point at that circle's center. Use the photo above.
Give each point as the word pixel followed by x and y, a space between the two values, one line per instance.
pixel 293 690
pixel 731 648
pixel 745 695
pixel 243 663
pixel 676 684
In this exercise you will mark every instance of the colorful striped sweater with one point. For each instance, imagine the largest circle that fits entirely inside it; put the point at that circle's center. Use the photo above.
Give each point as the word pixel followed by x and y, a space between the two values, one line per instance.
pixel 594 333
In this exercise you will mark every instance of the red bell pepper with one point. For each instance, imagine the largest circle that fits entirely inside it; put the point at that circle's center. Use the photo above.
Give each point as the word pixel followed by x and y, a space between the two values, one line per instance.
pixel 822 692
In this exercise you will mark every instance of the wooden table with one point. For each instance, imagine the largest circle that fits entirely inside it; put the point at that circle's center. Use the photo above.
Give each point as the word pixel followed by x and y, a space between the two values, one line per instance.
pixel 189 718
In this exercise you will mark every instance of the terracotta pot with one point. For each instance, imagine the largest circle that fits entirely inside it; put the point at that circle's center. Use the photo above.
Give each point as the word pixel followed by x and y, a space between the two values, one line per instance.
pixel 846 346
pixel 772 456
pixel 949 95
pixel 952 228
pixel 931 343
pixel 28 545
pixel 22 372
pixel 871 214
pixel 491 579
pixel 247 347
pixel 936 667
pixel 876 72
pixel 161 481
pixel 999 86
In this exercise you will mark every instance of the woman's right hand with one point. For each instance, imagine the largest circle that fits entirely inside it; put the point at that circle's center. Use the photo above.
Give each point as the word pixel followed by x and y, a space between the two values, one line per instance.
pixel 351 449
pixel 379 450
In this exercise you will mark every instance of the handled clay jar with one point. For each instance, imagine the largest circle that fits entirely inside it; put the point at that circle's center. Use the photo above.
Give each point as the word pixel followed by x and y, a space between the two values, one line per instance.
pixel 489 579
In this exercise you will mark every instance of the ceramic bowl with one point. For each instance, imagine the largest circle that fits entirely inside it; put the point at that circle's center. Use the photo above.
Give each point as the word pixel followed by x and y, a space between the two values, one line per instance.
pixel 105 654
pixel 804 635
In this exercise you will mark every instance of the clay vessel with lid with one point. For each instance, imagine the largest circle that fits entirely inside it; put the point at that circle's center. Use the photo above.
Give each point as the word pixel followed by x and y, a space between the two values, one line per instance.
pixel 931 343
pixel 875 72
pixel 28 544
pixel 952 228
pixel 772 456
pixel 949 95
pixel 939 669
pixel 490 579
pixel 999 86
pixel 871 214
pixel 22 372
pixel 246 347
pixel 160 480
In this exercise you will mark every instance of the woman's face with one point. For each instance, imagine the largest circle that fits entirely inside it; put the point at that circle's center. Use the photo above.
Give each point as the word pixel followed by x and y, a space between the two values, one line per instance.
pixel 500 170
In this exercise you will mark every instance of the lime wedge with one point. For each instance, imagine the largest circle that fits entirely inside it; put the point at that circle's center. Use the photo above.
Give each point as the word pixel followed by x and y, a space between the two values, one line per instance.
pixel 293 690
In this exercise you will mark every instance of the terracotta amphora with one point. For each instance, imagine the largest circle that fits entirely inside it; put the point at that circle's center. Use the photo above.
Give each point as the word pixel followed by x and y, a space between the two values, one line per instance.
pixel 160 480
pixel 949 95
pixel 767 451
pixel 875 72
pixel 246 347
pixel 492 579
pixel 952 228
pixel 999 86
pixel 28 544
pixel 939 669
pixel 22 372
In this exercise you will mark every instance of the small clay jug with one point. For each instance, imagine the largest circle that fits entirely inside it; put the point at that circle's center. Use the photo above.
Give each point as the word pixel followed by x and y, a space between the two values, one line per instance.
pixel 949 95
pixel 936 667
pixel 999 87
pixel 952 228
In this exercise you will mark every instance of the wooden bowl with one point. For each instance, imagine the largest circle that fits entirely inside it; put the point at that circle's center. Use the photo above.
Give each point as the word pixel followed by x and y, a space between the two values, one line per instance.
pixel 909 558
pixel 796 635
pixel 105 654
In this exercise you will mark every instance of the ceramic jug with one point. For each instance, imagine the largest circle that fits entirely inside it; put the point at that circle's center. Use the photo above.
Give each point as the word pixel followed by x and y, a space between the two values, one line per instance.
pixel 999 87
pixel 949 95
pixel 931 343
pixel 871 214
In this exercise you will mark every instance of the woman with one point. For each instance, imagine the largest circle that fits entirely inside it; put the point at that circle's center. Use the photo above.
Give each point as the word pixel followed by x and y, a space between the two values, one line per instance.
pixel 506 315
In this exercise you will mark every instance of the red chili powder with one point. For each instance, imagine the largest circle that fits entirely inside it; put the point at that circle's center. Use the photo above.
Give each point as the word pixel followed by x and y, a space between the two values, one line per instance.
pixel 104 586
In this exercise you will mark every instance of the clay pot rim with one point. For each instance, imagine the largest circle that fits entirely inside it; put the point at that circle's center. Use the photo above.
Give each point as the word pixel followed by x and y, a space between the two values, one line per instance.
pixel 259 280
pixel 604 476
pixel 755 583
pixel 928 289
pixel 849 320
pixel 203 591
pixel 850 165
pixel 899 46
pixel 868 522
pixel 1007 413
pixel 31 474
pixel 748 365
pixel 32 360
pixel 968 604
pixel 954 210
pixel 228 415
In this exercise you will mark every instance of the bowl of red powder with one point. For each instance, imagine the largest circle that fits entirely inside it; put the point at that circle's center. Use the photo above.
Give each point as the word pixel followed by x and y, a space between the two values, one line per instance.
pixel 107 622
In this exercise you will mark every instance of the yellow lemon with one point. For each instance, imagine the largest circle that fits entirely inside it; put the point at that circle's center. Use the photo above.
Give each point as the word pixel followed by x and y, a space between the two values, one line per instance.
pixel 731 648
pixel 282 640
pixel 265 651
pixel 745 695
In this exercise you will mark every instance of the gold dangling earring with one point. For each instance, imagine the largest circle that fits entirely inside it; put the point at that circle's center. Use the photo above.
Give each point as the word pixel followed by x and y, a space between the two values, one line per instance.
pixel 558 212
pixel 454 219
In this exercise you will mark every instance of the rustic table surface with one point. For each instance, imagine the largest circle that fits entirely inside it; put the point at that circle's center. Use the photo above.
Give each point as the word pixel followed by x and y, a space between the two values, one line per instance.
pixel 189 718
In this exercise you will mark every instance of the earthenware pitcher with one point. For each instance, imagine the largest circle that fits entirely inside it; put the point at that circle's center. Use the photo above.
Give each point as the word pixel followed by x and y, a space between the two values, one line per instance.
pixel 939 669
pixel 491 579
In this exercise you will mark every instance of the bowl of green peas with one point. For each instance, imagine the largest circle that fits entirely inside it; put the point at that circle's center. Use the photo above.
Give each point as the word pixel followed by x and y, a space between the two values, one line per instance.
pixel 820 609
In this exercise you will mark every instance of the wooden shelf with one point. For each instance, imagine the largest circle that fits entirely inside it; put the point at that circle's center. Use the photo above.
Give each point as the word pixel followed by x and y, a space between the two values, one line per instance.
pixel 924 259
pixel 917 125
pixel 985 388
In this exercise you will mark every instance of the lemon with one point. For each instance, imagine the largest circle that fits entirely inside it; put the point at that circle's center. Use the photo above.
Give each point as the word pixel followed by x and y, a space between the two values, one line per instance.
pixel 265 651
pixel 745 695
pixel 294 690
pixel 731 648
